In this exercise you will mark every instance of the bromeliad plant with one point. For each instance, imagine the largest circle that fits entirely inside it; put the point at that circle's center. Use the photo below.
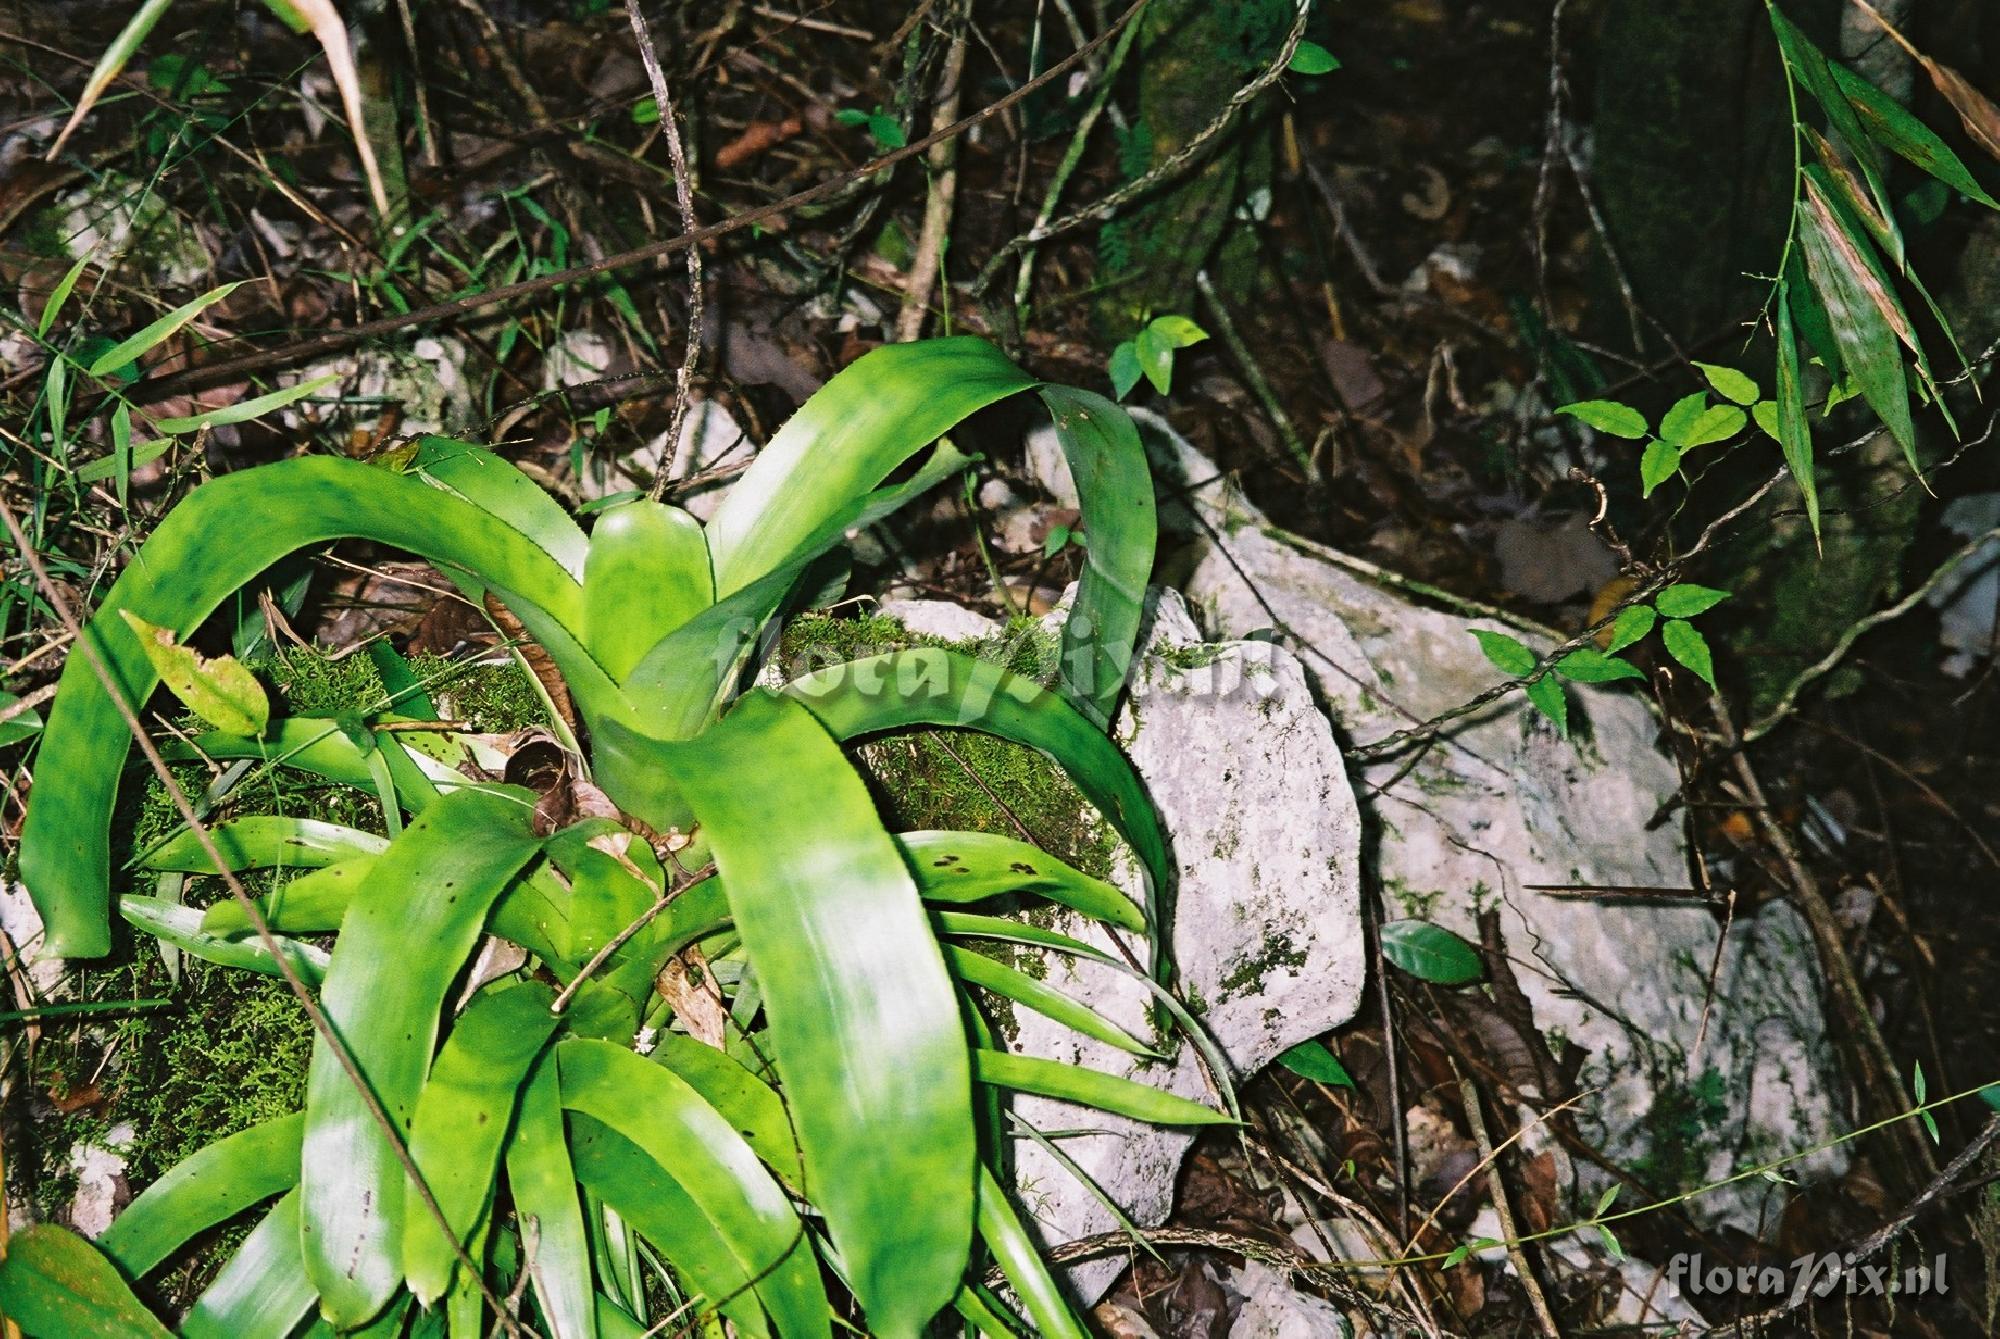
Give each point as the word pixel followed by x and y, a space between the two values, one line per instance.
pixel 813 1111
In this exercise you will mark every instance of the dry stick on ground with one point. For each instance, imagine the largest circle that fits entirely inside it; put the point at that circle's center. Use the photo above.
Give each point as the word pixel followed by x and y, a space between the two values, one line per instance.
pixel 1101 210
pixel 684 201
pixel 926 267
pixel 58 602
pixel 1468 1093
pixel 1871 1245
pixel 1253 373
pixel 1878 1066
pixel 234 368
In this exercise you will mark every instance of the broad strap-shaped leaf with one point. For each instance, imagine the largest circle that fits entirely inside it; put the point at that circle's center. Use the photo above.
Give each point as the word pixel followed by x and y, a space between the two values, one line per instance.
pixel 181 926
pixel 647 574
pixel 216 1183
pixel 497 487
pixel 319 745
pixel 843 442
pixel 683 681
pixel 54 1283
pixel 265 841
pixel 312 903
pixel 713 1166
pixel 651 1203
pixel 411 926
pixel 930 686
pixel 1794 433
pixel 863 1017
pixel 966 925
pixel 876 414
pixel 1088 1087
pixel 462 1119
pixel 745 1101
pixel 1114 488
pixel 542 1184
pixel 263 1292
pixel 225 533
pixel 954 868
pixel 1009 983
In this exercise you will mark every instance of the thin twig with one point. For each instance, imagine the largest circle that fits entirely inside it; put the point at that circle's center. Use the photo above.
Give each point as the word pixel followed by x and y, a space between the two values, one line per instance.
pixel 1468 1093
pixel 1788 700
pixel 1168 168
pixel 928 263
pixel 1253 373
pixel 203 838
pixel 1873 1244
pixel 230 369
pixel 684 201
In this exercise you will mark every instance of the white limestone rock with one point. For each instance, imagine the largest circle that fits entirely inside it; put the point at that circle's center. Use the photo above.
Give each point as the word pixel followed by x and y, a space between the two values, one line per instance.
pixel 118 218
pixel 1265 918
pixel 1500 803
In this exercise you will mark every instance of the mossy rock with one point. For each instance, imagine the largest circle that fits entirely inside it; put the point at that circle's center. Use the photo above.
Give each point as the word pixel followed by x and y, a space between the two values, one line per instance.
pixel 228 1049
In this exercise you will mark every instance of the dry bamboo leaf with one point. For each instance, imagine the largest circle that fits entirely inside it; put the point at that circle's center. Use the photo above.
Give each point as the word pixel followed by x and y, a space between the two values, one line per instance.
pixel 1975 109
pixel 1842 244
pixel 324 20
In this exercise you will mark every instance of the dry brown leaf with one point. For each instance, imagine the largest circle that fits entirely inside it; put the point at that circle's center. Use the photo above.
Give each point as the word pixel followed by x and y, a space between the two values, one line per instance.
pixel 1975 109
pixel 1842 245
pixel 326 25
pixel 686 985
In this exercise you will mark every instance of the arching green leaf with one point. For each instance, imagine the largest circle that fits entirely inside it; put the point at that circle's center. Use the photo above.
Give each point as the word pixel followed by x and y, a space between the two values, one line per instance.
pixel 216 1183
pixel 262 1293
pixel 265 841
pixel 462 1118
pixel 955 868
pixel 714 1167
pixel 411 926
pixel 863 1019
pixel 225 533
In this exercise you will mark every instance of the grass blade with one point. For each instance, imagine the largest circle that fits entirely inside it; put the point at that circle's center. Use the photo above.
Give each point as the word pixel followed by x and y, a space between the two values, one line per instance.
pixel 245 410
pixel 202 1190
pixel 412 924
pixel 150 336
pixel 115 58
